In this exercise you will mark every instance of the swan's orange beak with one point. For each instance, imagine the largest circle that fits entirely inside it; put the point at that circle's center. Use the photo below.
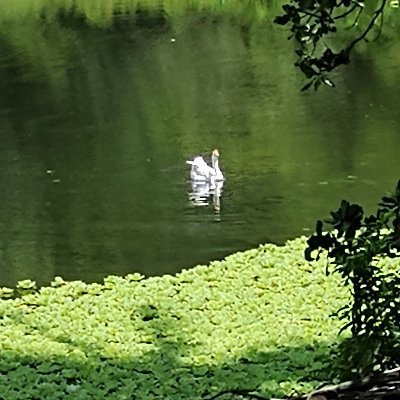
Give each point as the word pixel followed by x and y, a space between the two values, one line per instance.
pixel 215 152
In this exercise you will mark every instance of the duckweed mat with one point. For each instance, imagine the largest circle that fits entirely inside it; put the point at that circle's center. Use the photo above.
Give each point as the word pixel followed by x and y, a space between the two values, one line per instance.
pixel 260 319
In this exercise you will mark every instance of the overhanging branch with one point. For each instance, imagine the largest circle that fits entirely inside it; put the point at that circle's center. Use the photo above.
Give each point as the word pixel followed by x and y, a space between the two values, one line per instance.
pixel 345 14
pixel 376 15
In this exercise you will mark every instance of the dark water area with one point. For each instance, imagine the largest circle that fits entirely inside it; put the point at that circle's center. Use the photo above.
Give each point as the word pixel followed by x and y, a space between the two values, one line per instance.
pixel 96 123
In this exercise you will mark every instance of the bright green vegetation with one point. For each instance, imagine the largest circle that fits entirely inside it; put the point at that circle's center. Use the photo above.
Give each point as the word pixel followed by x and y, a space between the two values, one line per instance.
pixel 259 319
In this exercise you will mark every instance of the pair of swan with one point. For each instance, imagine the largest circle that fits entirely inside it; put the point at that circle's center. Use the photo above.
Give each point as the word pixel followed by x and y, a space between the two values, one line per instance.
pixel 202 172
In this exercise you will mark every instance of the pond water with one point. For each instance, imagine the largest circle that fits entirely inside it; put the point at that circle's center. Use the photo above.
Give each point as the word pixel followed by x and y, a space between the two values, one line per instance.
pixel 99 115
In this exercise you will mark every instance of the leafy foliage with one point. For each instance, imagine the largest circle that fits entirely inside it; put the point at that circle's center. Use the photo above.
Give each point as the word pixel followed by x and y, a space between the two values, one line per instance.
pixel 355 245
pixel 258 319
pixel 312 21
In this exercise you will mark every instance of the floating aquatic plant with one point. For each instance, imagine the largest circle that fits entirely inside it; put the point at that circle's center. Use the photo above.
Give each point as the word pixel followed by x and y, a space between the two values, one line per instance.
pixel 259 318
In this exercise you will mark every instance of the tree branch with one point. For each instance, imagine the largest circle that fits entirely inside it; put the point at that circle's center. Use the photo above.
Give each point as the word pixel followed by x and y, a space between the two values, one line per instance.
pixel 377 13
pixel 356 19
pixel 345 14
pixel 316 16
pixel 380 28
pixel 310 25
pixel 242 392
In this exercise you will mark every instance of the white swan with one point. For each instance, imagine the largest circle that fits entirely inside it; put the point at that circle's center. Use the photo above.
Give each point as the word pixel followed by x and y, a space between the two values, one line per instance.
pixel 202 172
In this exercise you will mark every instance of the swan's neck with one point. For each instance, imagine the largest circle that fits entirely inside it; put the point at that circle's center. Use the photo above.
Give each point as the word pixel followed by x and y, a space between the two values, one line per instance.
pixel 215 166
pixel 215 162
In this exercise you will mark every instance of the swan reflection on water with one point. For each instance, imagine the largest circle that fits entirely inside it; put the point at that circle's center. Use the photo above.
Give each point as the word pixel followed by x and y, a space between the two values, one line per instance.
pixel 206 193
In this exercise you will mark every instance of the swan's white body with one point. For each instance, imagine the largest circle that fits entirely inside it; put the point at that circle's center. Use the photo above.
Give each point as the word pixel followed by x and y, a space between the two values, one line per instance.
pixel 202 172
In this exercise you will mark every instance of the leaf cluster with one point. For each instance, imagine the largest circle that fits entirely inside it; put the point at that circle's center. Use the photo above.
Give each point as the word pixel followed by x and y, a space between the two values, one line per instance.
pixel 310 22
pixel 355 245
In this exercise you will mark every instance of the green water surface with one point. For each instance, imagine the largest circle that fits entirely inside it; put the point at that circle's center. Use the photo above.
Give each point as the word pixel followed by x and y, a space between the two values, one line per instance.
pixel 102 102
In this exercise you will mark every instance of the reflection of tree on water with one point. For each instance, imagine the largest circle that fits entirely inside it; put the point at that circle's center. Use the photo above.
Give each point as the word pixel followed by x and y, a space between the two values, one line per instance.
pixel 202 192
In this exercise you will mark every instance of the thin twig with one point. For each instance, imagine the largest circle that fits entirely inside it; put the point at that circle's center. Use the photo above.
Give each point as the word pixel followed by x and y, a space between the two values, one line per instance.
pixel 380 28
pixel 357 18
pixel 311 14
pixel 242 392
pixel 345 14
pixel 377 13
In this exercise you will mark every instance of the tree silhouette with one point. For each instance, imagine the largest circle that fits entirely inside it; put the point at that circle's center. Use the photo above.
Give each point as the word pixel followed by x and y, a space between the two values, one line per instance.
pixel 311 22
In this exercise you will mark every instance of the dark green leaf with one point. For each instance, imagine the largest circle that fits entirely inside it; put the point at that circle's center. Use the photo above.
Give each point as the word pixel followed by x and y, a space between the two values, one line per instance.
pixel 307 86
